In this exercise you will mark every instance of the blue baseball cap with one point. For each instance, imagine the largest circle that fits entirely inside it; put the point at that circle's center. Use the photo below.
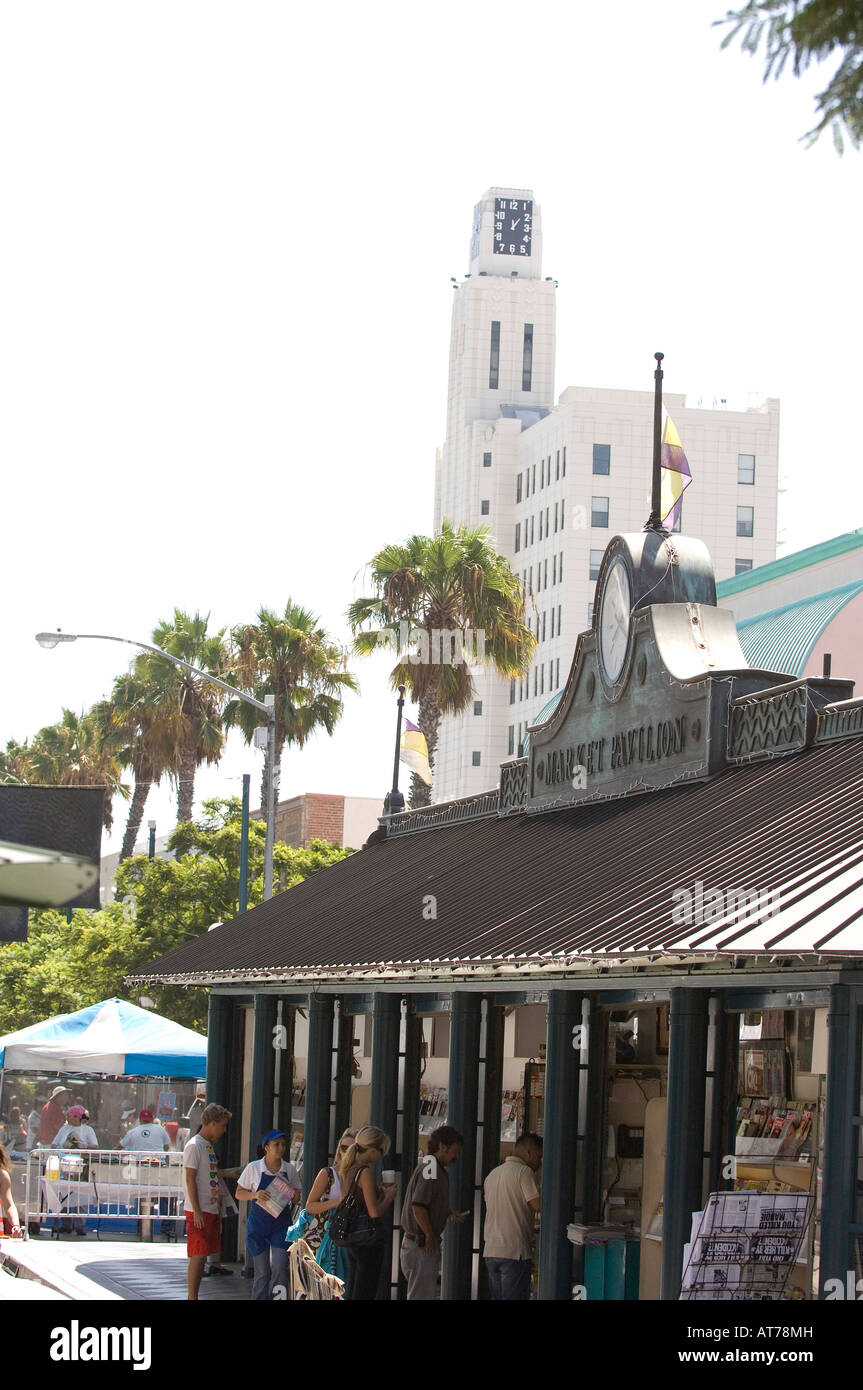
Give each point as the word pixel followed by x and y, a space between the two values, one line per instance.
pixel 273 1134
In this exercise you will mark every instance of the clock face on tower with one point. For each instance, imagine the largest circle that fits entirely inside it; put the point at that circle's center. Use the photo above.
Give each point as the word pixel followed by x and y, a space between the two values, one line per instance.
pixel 513 220
pixel 614 620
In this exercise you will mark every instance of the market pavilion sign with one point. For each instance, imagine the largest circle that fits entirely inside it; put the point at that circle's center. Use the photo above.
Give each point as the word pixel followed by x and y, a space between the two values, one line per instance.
pixel 646 699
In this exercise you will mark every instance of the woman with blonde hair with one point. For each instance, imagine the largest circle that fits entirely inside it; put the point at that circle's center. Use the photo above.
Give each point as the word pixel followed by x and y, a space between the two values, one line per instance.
pixel 11 1222
pixel 354 1169
pixel 324 1197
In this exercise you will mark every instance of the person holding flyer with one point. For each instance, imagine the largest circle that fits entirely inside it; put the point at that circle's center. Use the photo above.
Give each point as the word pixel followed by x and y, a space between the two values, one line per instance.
pixel 271 1186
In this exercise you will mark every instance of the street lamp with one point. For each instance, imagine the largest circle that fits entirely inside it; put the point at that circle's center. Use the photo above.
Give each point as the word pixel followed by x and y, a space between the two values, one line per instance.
pixel 49 640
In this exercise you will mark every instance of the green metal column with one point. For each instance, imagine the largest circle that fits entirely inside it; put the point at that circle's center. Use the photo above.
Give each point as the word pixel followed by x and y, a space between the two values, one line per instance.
pixel 462 1113
pixel 384 1104
pixel 723 1109
pixel 344 1068
pixel 316 1138
pixel 594 1111
pixel 263 1073
pixel 285 1061
pixel 491 1110
pixel 684 1148
pixel 559 1146
pixel 220 1040
pixel 840 1136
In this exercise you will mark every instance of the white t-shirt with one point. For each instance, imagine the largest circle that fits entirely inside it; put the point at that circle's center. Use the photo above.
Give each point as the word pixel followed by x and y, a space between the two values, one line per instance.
pixel 83 1133
pixel 509 1223
pixel 250 1178
pixel 147 1136
pixel 200 1155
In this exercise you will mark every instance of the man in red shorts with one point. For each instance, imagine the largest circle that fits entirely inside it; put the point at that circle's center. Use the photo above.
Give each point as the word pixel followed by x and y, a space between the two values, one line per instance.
pixel 203 1187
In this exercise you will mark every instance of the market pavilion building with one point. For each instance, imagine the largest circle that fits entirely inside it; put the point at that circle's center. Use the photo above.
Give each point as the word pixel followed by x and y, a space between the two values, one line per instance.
pixel 645 942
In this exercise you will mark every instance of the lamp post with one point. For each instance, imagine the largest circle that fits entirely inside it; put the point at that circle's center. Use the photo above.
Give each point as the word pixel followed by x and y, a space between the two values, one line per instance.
pixel 49 640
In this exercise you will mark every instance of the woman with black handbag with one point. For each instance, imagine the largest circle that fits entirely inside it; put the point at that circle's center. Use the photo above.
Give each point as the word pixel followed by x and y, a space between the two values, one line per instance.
pixel 356 1224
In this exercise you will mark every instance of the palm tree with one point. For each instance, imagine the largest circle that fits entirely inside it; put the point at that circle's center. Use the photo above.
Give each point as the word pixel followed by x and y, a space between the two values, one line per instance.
pixel 291 657
pixel 74 753
pixel 187 708
pixel 138 723
pixel 454 581
pixel 13 763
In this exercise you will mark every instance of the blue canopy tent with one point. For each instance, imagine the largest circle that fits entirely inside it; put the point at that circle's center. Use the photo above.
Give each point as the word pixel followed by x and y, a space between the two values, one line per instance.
pixel 112 1037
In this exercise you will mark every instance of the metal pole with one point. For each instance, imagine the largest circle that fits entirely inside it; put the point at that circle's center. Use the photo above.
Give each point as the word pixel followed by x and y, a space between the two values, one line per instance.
pixel 151 848
pixel 654 522
pixel 271 797
pixel 395 801
pixel 243 901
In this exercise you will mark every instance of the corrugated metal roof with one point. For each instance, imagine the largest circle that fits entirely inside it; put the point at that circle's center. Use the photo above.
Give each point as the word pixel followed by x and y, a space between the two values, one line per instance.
pixel 788 564
pixel 784 638
pixel 592 883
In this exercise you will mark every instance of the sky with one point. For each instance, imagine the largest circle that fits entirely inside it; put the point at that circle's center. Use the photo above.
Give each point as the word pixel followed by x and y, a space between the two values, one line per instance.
pixel 227 244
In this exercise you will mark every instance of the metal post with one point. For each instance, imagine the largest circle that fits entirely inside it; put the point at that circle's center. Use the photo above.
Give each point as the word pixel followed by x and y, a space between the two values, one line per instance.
pixel 563 1056
pixel 243 900
pixel 270 701
pixel 684 1148
pixel 394 800
pixel 263 1072
pixel 151 847
pixel 491 1108
pixel 384 1100
pixel 844 1028
pixel 462 1114
pixel 316 1138
pixel 654 522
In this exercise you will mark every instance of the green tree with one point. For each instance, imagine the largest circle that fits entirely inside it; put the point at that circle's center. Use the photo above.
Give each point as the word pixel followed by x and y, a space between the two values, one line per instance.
pixel 139 723
pixel 451 582
pixel 288 655
pixel 161 903
pixel 189 707
pixel 13 763
pixel 803 31
pixel 74 753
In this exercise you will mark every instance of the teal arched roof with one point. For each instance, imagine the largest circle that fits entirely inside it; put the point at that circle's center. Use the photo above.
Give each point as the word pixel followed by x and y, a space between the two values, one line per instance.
pixel 783 639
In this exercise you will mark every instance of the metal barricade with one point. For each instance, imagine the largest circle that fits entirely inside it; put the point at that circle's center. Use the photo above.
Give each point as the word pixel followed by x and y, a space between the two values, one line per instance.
pixel 73 1187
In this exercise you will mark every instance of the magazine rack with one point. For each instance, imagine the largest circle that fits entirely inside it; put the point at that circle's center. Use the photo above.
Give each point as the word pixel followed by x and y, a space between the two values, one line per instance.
pixel 744 1246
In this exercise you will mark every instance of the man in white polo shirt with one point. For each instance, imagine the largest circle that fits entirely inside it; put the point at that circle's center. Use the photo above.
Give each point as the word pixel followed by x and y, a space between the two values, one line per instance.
pixel 511 1198
pixel 146 1136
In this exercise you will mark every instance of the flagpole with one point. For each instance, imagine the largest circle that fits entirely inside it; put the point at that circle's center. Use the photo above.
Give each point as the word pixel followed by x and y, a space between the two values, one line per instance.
pixel 395 800
pixel 654 521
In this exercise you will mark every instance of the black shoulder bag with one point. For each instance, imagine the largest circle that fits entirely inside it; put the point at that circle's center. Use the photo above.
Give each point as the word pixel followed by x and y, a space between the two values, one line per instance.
pixel 350 1223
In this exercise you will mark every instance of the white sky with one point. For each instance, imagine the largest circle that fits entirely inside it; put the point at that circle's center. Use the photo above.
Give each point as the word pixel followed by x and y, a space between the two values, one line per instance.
pixel 227 242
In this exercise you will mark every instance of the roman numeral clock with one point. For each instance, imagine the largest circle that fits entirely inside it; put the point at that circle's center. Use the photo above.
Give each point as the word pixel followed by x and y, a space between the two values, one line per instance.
pixel 513 220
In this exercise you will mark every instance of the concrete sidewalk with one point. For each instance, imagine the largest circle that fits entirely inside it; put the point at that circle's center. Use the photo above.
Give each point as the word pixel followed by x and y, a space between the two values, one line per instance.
pixel 88 1270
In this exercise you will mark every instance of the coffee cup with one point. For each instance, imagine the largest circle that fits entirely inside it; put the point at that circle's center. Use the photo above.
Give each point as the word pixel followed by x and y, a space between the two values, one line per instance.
pixel 389 1177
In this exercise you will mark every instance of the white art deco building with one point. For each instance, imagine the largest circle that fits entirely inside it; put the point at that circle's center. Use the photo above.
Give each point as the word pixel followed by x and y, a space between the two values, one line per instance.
pixel 555 482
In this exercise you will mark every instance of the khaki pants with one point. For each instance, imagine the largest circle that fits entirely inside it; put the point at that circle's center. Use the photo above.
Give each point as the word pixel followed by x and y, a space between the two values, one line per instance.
pixel 421 1270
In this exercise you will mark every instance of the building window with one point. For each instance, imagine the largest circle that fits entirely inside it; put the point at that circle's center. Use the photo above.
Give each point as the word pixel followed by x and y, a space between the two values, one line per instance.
pixel 562 505
pixel 557 682
pixel 746 469
pixel 517 537
pixel 542 473
pixel 602 458
pixel 563 463
pixel 678 521
pixel 595 562
pixel 547 515
pixel 484 506
pixel 542 639
pixel 477 706
pixel 494 356
pixel 518 488
pixel 745 521
pixel 557 466
pixel 540 523
pixel 527 357
pixel 535 680
pixel 560 569
pixel 510 740
pixel 599 512
pixel 590 614
pixel 486 460
pixel 742 566
pixel 531 530
pixel 554 569
pixel 530 579
pixel 476 759
pixel 556 505
pixel 545 574
pixel 552 623
pixel 512 691
pixel 533 479
pixel 542 679
pixel 558 619
pixel 550 676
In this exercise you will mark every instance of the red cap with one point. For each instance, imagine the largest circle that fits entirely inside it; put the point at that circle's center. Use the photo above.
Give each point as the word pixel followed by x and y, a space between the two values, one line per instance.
pixel 146 1117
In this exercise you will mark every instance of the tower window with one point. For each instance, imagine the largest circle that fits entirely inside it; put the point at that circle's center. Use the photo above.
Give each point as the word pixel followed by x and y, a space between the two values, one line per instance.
pixel 599 512
pixel 517 546
pixel 745 521
pixel 477 706
pixel 512 691
pixel 563 463
pixel 518 488
pixel 510 742
pixel 590 614
pixel 551 634
pixel 486 460
pixel 557 682
pixel 540 523
pixel 602 458
pixel 557 466
pixel 543 628
pixel 595 562
pixel 746 469
pixel 554 569
pixel 494 356
pixel 531 529
pixel 555 515
pixel 476 759
pixel 533 482
pixel 560 569
pixel 742 566
pixel 484 506
pixel 527 357
pixel 545 574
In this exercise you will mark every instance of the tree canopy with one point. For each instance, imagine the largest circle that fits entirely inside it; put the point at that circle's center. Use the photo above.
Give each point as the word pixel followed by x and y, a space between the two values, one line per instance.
pixel 160 904
pixel 803 30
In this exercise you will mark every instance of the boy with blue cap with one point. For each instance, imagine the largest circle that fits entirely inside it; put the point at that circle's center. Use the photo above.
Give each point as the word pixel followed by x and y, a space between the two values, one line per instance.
pixel 266 1230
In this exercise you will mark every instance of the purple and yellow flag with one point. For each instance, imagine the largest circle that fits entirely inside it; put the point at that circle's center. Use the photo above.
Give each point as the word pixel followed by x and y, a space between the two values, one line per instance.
pixel 414 753
pixel 675 476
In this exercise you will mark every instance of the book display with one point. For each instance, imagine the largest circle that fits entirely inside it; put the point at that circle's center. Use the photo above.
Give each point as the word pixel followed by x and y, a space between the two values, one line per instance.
pixel 744 1246
pixel 434 1104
